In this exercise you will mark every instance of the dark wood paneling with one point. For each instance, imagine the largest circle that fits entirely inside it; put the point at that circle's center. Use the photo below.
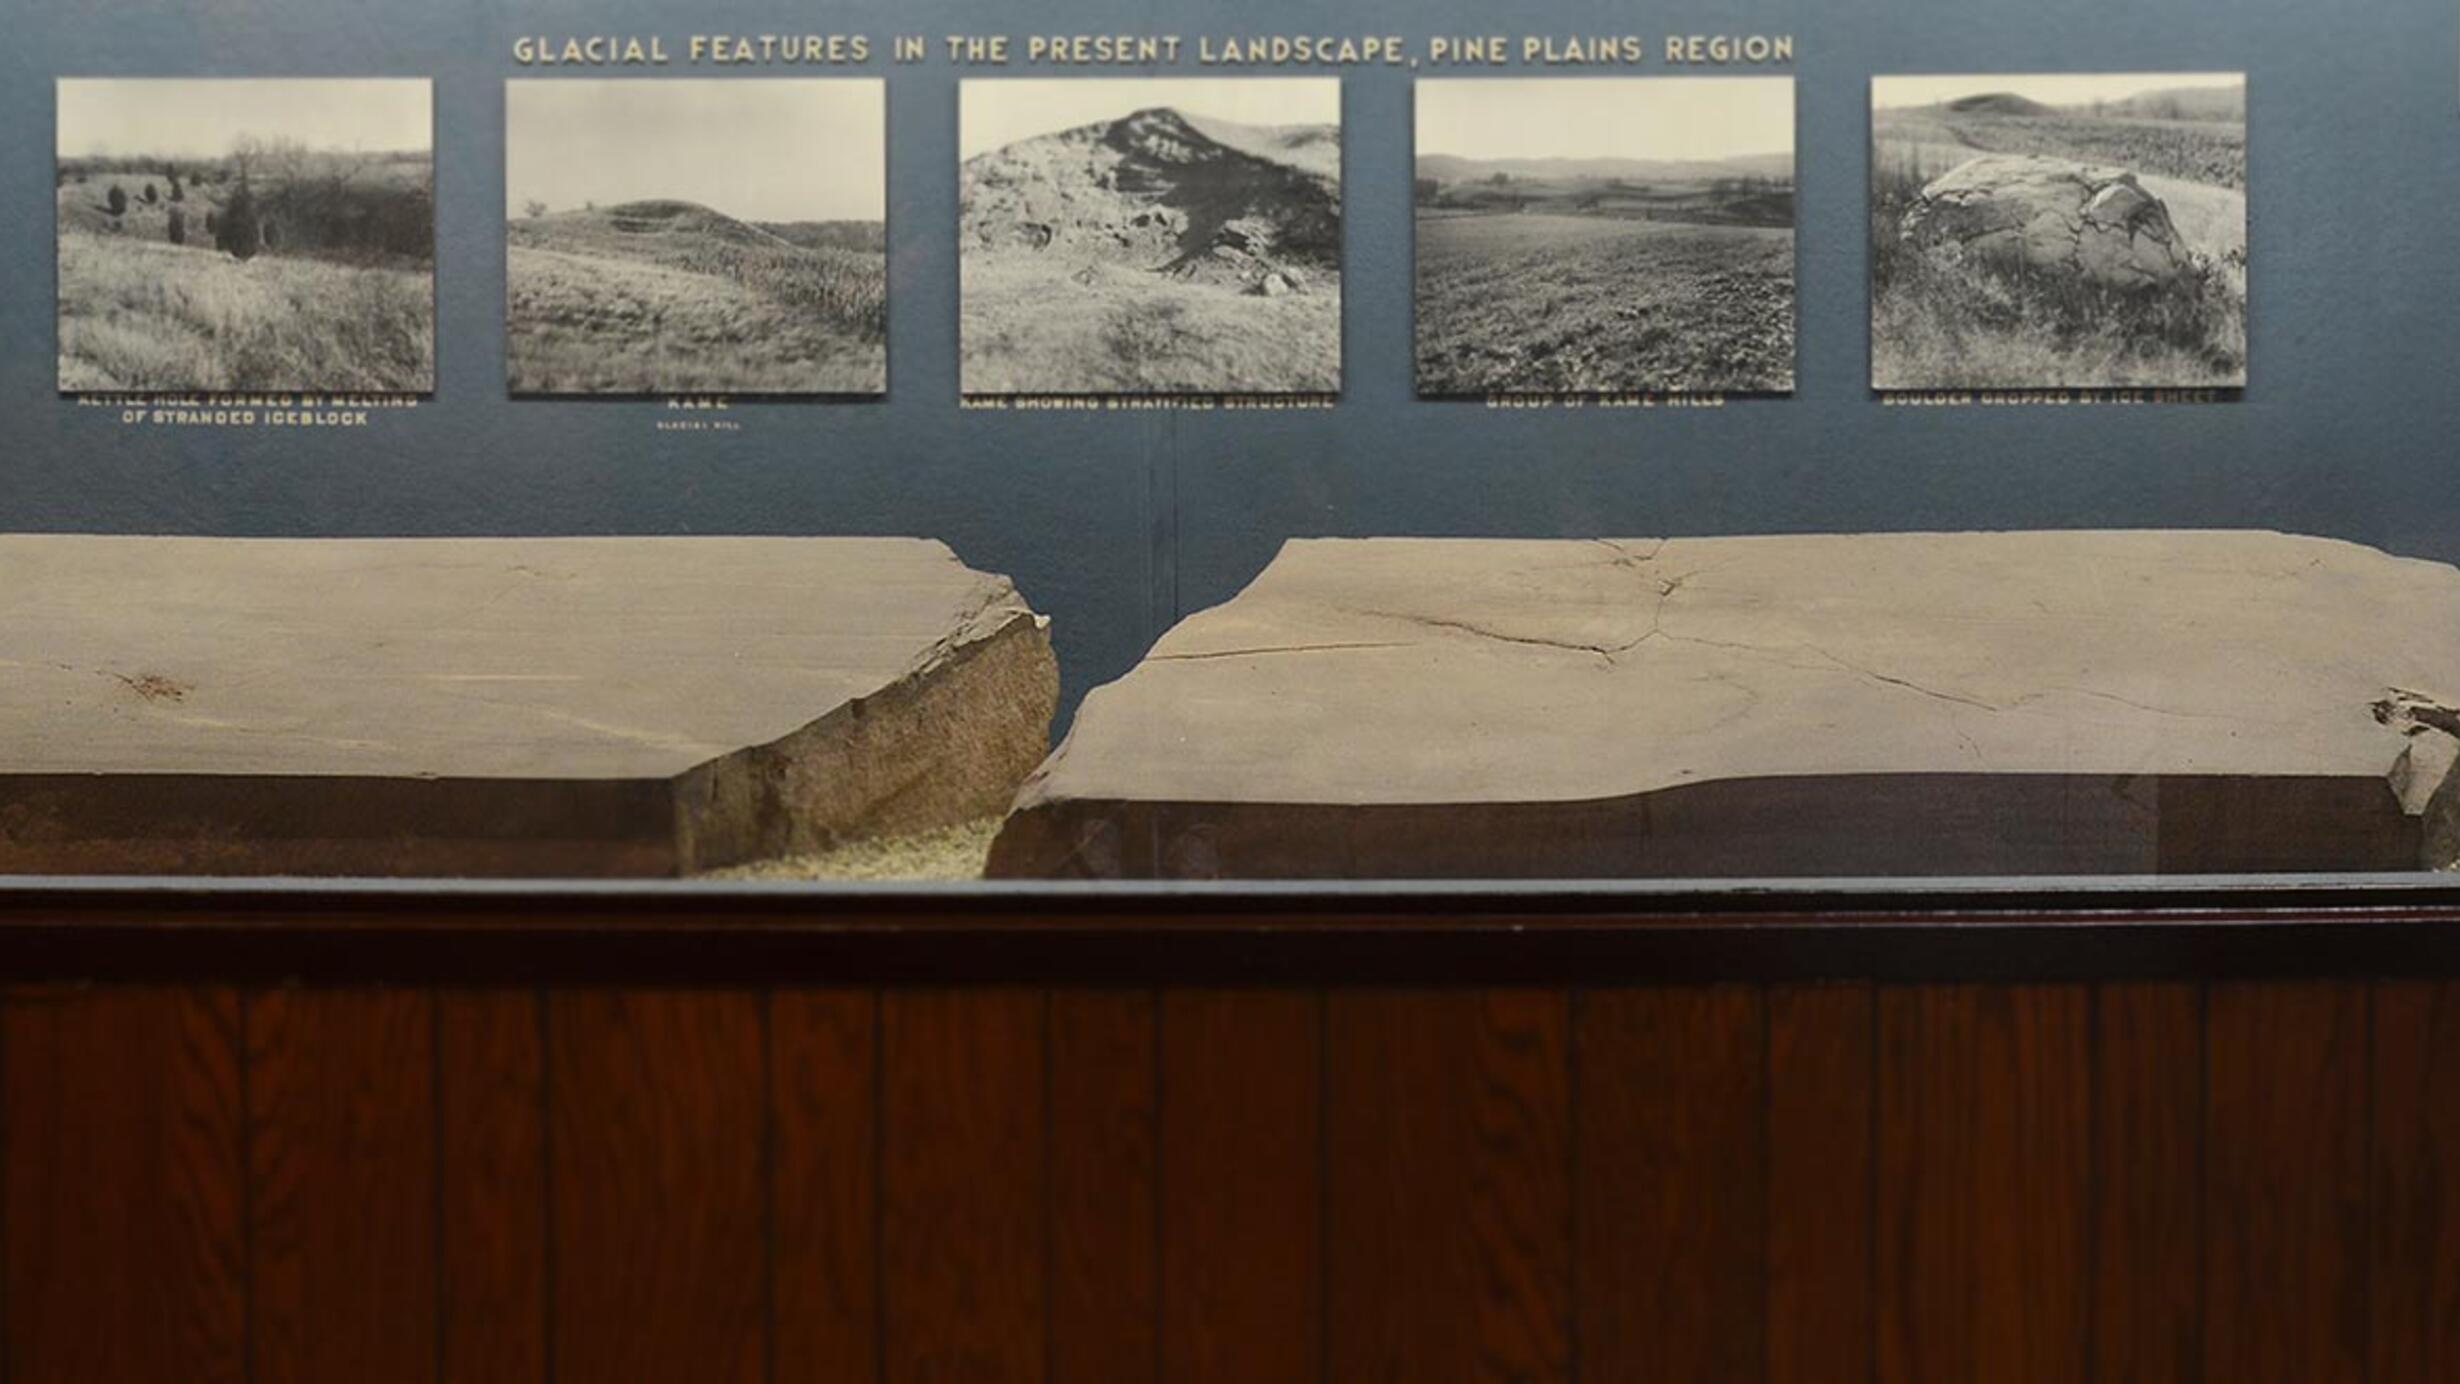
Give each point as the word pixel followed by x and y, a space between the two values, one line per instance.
pixel 824 1068
pixel 1985 1164
pixel 2148 1176
pixel 342 1177
pixel 491 1148
pixel 2285 1185
pixel 125 1194
pixel 963 1176
pixel 657 1114
pixel 1104 1281
pixel 2416 1194
pixel 1820 1183
pixel 1242 1186
pixel 1671 1190
pixel 1449 1133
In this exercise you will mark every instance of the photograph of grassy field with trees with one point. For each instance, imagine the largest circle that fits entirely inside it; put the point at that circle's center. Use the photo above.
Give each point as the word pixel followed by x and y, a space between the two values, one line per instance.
pixel 1162 236
pixel 696 237
pixel 245 235
pixel 2069 231
pixel 1605 235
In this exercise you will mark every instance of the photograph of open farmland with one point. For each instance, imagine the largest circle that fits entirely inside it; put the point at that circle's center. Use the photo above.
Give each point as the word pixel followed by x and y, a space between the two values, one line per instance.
pixel 245 235
pixel 2071 231
pixel 1605 235
pixel 1130 236
pixel 696 236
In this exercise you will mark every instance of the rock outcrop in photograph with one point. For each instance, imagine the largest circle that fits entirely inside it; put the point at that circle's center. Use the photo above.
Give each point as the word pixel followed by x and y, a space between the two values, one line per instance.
pixel 2082 232
pixel 696 237
pixel 1151 237
pixel 1605 235
pixel 235 235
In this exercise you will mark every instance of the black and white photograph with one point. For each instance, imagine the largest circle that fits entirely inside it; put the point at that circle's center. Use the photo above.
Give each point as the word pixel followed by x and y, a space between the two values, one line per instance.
pixel 224 235
pixel 1124 236
pixel 2078 231
pixel 696 236
pixel 1602 235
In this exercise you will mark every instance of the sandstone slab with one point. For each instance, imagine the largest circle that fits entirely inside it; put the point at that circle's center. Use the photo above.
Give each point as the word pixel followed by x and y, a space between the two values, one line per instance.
pixel 569 706
pixel 2094 225
pixel 1905 704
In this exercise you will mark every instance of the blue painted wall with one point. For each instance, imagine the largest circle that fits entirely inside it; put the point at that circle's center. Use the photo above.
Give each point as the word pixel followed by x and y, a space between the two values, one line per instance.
pixel 1117 524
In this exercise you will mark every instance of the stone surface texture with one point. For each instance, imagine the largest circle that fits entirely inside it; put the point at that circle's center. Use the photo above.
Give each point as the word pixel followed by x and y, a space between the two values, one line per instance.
pixel 2052 216
pixel 500 706
pixel 1987 703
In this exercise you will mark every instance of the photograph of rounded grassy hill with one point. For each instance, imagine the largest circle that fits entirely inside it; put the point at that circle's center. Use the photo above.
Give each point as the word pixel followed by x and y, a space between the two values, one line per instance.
pixel 242 235
pixel 1605 235
pixel 1123 236
pixel 2082 231
pixel 696 236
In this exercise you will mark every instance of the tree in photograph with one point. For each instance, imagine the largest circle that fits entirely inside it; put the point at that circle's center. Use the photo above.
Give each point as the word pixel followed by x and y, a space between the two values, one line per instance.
pixel 533 209
pixel 116 201
pixel 150 196
pixel 177 228
pixel 238 233
pixel 178 193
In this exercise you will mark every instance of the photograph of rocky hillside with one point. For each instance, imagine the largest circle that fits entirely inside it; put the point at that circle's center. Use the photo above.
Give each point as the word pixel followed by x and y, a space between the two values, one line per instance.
pixel 1605 235
pixel 1124 236
pixel 702 236
pixel 2074 231
pixel 243 235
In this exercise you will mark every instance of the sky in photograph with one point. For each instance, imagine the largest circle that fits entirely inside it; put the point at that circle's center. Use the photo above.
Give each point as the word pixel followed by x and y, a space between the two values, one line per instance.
pixel 201 118
pixel 1606 117
pixel 757 149
pixel 996 112
pixel 2051 89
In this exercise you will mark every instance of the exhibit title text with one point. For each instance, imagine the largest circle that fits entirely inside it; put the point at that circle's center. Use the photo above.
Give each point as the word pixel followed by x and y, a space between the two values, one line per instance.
pixel 1160 50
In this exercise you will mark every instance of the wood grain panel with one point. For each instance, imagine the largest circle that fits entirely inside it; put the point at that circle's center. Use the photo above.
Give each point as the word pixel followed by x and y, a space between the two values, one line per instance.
pixel 962 1170
pixel 125 1190
pixel 2415 1279
pixel 2148 1175
pixel 1820 1171
pixel 1671 1190
pixel 1104 1186
pixel 657 1113
pixel 1449 1177
pixel 824 1101
pixel 1985 1165
pixel 1242 1187
pixel 342 1172
pixel 2285 1184
pixel 491 1174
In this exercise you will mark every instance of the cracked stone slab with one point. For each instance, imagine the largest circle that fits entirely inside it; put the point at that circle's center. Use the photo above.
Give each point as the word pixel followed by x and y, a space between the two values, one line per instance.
pixel 1914 704
pixel 568 706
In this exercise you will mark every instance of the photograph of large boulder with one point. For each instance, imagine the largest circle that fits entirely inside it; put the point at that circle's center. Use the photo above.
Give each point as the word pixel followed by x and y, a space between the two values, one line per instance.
pixel 1795 706
pixel 1171 236
pixel 2081 232
pixel 503 706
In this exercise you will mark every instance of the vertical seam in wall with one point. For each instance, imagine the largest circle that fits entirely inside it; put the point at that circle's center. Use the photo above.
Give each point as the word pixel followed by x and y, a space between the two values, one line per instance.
pixel 243 1050
pixel 1050 1218
pixel 11 1004
pixel 768 1183
pixel 1161 1284
pixel 1878 1107
pixel 544 1018
pixel 2366 1200
pixel 435 1123
pixel 2093 1190
pixel 1768 1174
pixel 2203 1177
pixel 1323 1184
pixel 879 1181
pixel 1575 1001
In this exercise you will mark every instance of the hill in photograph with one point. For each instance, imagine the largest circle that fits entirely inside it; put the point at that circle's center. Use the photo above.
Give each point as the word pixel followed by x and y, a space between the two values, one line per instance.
pixel 1151 237
pixel 2075 231
pixel 696 237
pixel 1605 235
pixel 225 235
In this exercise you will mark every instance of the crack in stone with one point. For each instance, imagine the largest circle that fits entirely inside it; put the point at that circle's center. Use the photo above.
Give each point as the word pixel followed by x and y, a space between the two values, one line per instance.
pixel 1276 649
